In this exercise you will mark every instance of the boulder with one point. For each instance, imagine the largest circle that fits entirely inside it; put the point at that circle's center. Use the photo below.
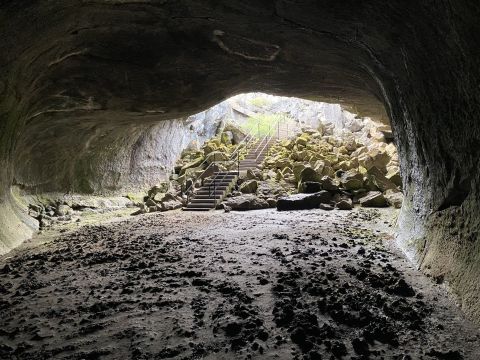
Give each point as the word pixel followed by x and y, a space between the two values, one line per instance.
pixel 216 156
pixel 369 183
pixel 299 155
pixel 169 205
pixel 302 140
pixel 249 187
pixel 270 175
pixel 328 184
pixel 352 180
pixel 227 138
pixel 394 198
pixel 309 174
pixel 377 178
pixel 282 163
pixel 246 202
pixel 303 201
pixel 237 133
pixel 331 159
pixel 192 164
pixel 297 170
pixel 157 189
pixel 169 196
pixel 380 158
pixel 63 210
pixel 391 150
pixel 272 202
pixel 373 199
pixel 393 175
pixel 208 148
pixel 309 187
pixel 344 204
pixel 376 135
pixel 254 174
pixel 150 202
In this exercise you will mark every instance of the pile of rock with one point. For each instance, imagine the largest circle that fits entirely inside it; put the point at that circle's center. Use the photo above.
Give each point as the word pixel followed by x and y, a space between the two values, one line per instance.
pixel 190 168
pixel 50 214
pixel 53 209
pixel 193 163
pixel 161 198
pixel 350 171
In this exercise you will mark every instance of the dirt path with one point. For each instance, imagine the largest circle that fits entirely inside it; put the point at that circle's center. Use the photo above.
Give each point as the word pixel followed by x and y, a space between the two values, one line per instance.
pixel 262 285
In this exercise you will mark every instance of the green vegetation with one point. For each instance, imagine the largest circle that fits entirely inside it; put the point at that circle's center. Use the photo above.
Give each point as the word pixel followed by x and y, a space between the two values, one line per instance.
pixel 262 124
pixel 259 101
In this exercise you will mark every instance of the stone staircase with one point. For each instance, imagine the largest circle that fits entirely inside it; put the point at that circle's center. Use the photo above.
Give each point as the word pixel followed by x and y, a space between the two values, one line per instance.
pixel 257 154
pixel 212 191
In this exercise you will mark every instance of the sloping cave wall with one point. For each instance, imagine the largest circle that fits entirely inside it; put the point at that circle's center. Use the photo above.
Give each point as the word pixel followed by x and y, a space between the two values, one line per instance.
pixel 122 64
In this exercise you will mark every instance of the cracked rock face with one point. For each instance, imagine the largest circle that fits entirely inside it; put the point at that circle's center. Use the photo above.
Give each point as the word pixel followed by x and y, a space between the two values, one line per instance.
pixel 80 75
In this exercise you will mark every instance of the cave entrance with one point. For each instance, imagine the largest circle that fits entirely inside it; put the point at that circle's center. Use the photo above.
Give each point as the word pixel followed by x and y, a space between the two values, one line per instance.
pixel 273 146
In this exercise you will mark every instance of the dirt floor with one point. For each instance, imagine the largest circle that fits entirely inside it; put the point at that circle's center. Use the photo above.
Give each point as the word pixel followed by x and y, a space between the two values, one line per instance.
pixel 254 285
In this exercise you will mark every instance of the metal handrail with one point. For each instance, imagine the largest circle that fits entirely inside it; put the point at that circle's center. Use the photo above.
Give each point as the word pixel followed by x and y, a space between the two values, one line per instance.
pixel 269 138
pixel 245 140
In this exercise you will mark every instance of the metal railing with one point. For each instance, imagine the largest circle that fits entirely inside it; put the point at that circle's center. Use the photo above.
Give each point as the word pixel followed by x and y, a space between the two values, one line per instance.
pixel 235 158
pixel 241 145
pixel 268 137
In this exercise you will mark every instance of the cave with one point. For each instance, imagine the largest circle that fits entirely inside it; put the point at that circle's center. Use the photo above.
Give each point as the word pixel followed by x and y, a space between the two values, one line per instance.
pixel 86 84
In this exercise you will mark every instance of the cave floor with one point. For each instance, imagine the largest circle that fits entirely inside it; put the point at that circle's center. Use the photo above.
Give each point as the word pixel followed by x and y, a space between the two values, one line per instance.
pixel 262 284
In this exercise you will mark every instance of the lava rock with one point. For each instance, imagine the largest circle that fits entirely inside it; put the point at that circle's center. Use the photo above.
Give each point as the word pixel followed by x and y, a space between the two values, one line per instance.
pixel 303 201
pixel 373 199
pixel 310 187
pixel 246 202
pixel 249 187
pixel 344 204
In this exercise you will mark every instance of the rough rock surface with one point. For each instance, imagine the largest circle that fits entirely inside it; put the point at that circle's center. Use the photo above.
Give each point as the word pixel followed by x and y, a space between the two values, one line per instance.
pixel 246 202
pixel 373 199
pixel 303 201
pixel 79 88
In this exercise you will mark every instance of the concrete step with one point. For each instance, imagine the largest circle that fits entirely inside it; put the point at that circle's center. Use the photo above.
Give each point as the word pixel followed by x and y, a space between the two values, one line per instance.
pixel 217 186
pixel 218 180
pixel 210 202
pixel 207 196
pixel 196 209
pixel 203 191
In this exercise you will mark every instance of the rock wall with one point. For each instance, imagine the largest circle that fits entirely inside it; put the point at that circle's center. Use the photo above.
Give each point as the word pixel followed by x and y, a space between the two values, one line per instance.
pixel 108 158
pixel 117 67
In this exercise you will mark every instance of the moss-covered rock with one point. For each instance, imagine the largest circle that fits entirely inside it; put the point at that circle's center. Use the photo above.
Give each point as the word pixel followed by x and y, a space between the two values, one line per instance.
pixel 215 156
pixel 192 164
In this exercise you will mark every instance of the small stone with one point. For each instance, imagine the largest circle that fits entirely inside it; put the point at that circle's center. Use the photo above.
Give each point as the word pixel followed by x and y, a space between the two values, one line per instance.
pixel 326 207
